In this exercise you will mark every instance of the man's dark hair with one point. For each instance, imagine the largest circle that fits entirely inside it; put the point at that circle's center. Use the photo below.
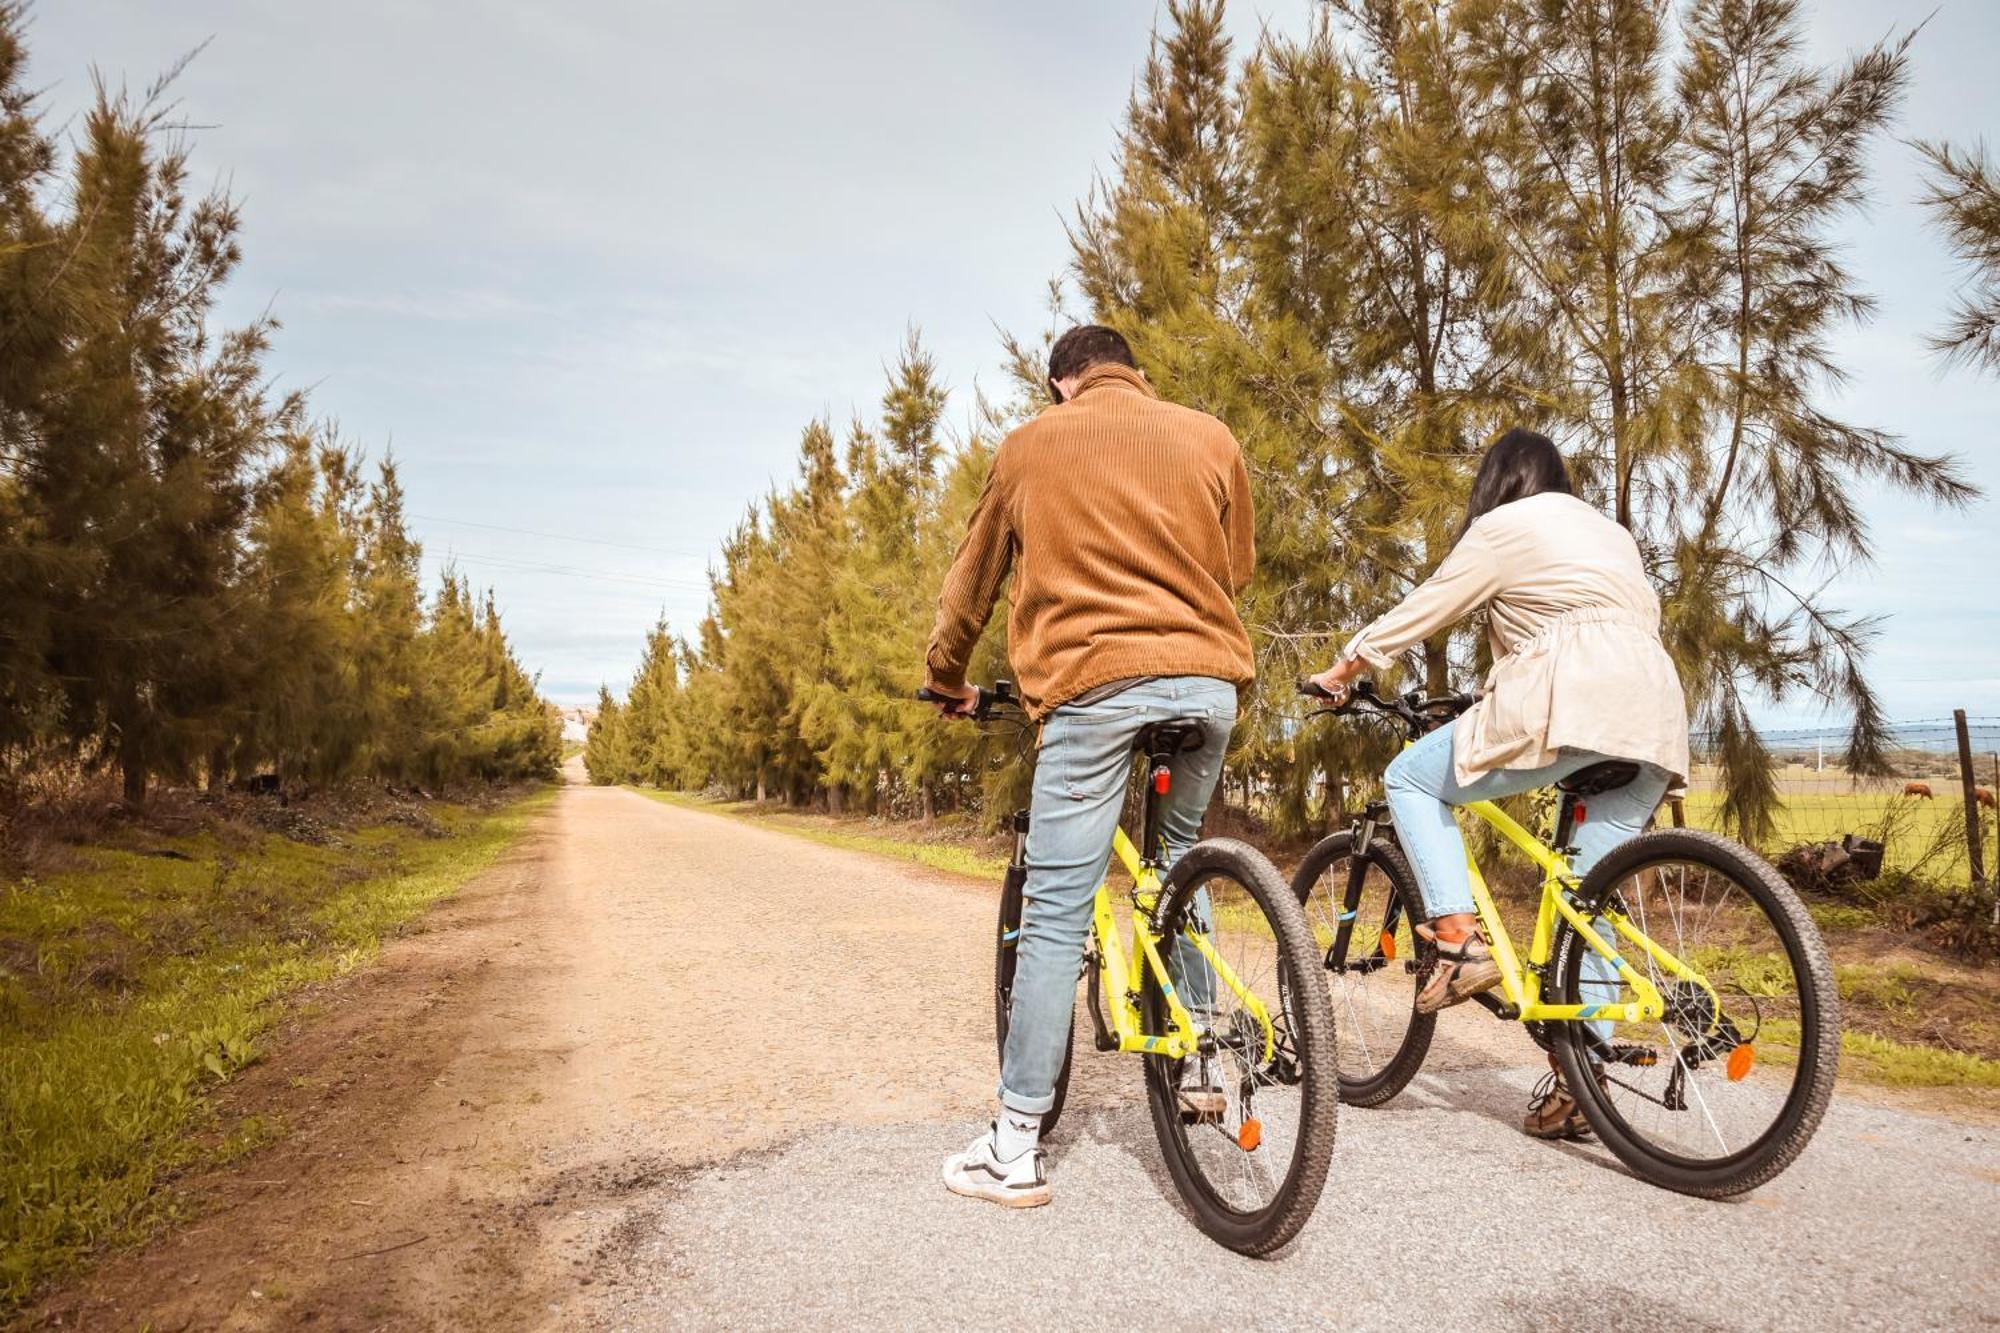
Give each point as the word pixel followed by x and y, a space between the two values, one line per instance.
pixel 1085 346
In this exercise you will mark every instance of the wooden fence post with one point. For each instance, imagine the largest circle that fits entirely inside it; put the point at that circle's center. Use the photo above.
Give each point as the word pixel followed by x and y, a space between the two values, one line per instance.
pixel 1972 829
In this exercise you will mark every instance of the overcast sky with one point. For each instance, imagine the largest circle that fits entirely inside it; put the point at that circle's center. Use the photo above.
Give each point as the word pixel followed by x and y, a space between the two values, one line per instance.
pixel 589 268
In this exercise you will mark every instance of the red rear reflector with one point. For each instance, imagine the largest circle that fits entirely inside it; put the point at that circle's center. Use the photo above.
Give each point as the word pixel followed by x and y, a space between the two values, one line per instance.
pixel 1580 812
pixel 1162 780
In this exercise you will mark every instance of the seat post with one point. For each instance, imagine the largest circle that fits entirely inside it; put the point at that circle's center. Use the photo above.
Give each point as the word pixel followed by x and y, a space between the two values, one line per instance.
pixel 1570 814
pixel 1159 781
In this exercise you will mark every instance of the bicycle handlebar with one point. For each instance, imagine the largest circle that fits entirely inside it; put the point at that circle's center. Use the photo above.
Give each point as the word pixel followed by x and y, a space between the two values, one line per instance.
pixel 1416 711
pixel 984 699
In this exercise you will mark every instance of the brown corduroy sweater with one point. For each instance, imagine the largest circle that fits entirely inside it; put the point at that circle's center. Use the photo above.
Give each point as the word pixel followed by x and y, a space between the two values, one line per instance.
pixel 1130 521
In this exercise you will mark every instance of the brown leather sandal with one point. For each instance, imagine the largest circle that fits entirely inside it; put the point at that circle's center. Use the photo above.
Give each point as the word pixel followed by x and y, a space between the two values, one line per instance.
pixel 1462 971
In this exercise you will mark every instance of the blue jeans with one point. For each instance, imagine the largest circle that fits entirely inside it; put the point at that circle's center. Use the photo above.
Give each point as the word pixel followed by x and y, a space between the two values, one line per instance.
pixel 1422 790
pixel 1080 777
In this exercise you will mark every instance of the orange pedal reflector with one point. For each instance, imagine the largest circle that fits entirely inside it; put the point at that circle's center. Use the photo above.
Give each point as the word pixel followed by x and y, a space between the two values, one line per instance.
pixel 1252 1134
pixel 1740 1061
pixel 1388 946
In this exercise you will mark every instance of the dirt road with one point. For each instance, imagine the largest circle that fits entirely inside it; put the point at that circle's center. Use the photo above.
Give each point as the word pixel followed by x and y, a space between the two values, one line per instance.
pixel 662 1068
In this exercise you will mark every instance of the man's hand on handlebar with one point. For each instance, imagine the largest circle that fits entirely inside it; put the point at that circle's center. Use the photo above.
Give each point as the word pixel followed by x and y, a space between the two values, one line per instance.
pixel 953 701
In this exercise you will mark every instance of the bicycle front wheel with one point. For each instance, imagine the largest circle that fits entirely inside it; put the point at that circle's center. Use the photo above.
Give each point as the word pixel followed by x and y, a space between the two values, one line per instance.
pixel 1003 990
pixel 1374 969
pixel 1247 1123
pixel 1723 1091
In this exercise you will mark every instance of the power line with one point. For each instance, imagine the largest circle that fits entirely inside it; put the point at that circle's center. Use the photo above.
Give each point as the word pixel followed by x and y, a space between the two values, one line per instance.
pixel 565 571
pixel 562 537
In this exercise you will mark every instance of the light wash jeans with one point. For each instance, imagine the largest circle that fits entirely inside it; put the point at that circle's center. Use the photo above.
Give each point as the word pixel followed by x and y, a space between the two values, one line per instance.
pixel 1080 777
pixel 1422 790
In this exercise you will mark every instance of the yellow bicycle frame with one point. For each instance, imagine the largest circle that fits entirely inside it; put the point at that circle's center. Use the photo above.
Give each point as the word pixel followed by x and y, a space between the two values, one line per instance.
pixel 1119 983
pixel 1523 988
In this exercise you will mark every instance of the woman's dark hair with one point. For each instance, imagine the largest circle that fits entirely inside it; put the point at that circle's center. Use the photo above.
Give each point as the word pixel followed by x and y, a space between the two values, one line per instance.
pixel 1519 464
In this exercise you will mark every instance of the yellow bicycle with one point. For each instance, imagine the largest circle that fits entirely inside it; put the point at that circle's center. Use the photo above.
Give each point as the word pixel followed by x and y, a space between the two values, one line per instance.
pixel 1215 981
pixel 1680 986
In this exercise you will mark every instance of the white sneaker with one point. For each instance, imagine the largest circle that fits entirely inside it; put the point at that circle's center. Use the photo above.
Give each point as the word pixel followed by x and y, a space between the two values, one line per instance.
pixel 1202 1095
pixel 978 1174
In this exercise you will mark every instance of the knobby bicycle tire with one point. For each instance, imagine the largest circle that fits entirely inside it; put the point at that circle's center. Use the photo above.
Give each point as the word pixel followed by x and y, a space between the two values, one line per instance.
pixel 1819 1020
pixel 1309 1014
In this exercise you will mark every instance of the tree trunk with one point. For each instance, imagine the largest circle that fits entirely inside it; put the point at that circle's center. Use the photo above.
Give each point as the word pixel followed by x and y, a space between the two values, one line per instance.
pixel 135 782
pixel 1437 665
pixel 929 798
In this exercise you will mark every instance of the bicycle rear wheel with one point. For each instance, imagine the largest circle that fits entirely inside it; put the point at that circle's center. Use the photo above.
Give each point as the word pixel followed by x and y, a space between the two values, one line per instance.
pixel 1252 1172
pixel 1375 977
pixel 1725 1090
pixel 1003 989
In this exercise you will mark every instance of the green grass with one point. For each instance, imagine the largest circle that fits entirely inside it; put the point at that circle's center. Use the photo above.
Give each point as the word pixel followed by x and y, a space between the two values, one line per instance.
pixel 1899 1064
pixel 938 855
pixel 136 982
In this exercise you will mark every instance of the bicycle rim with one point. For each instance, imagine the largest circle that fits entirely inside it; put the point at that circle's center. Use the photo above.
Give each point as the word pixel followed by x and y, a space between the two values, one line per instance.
pixel 1723 1091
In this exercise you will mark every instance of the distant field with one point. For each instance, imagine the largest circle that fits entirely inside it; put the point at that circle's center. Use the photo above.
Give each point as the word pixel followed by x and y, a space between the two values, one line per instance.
pixel 1825 805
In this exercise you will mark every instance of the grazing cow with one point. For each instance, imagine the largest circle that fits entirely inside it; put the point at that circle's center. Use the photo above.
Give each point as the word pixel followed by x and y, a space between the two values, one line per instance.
pixel 1922 789
pixel 1984 795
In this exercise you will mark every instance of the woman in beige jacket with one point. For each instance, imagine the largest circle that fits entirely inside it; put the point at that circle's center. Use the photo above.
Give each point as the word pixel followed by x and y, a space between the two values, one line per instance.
pixel 1579 676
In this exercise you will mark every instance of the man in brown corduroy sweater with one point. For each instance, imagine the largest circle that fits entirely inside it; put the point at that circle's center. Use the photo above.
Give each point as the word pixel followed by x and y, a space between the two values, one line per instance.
pixel 1126 522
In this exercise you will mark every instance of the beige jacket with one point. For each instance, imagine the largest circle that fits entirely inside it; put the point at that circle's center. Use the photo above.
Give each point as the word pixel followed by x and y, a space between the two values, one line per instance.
pixel 1575 629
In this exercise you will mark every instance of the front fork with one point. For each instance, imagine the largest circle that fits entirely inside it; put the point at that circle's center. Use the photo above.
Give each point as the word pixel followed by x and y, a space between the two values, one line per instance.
pixel 1361 838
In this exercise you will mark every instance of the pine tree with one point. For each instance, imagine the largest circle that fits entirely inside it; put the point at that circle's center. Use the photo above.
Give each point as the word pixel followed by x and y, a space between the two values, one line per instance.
pixel 856 711
pixel 1768 487
pixel 32 348
pixel 1963 198
pixel 145 441
pixel 298 684
pixel 606 757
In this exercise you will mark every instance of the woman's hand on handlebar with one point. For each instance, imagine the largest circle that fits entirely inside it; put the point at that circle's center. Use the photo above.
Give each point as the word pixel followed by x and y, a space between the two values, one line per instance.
pixel 1337 679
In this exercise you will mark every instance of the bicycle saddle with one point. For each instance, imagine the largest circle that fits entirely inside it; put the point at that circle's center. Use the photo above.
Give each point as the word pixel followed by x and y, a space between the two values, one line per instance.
pixel 1165 739
pixel 1595 779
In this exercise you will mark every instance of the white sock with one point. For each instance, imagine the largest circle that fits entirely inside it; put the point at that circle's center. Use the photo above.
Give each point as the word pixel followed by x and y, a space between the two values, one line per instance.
pixel 1015 1132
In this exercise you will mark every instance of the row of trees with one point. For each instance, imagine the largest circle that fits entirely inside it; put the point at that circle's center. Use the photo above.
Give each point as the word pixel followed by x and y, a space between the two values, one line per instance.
pixel 196 580
pixel 1370 247
pixel 798 682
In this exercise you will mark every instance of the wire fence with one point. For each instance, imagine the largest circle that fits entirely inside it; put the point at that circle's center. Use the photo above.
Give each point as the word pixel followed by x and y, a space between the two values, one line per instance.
pixel 1874 837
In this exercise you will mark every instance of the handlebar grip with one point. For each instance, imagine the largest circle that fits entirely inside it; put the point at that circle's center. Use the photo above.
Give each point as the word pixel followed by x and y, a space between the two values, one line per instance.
pixel 977 707
pixel 1312 689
